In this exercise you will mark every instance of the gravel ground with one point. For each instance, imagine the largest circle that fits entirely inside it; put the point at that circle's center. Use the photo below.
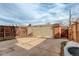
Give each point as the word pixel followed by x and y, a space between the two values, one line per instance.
pixel 46 47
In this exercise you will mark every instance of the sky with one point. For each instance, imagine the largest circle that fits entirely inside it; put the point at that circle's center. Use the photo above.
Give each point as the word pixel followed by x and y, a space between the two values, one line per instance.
pixel 37 13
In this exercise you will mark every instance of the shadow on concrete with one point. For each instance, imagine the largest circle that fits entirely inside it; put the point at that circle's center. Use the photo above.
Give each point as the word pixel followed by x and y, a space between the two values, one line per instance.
pixel 62 48
pixel 49 47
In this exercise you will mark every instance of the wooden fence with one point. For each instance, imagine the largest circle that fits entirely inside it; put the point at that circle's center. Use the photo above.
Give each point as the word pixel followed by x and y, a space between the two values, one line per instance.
pixel 57 31
pixel 73 32
pixel 12 32
pixel 21 32
pixel 7 32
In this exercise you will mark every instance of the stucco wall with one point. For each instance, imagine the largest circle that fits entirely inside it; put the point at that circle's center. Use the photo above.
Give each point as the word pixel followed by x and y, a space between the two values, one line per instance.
pixel 40 31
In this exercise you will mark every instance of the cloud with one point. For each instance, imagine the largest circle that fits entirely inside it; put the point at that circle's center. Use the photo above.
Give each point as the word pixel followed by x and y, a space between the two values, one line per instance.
pixel 54 14
pixel 59 11
pixel 22 13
